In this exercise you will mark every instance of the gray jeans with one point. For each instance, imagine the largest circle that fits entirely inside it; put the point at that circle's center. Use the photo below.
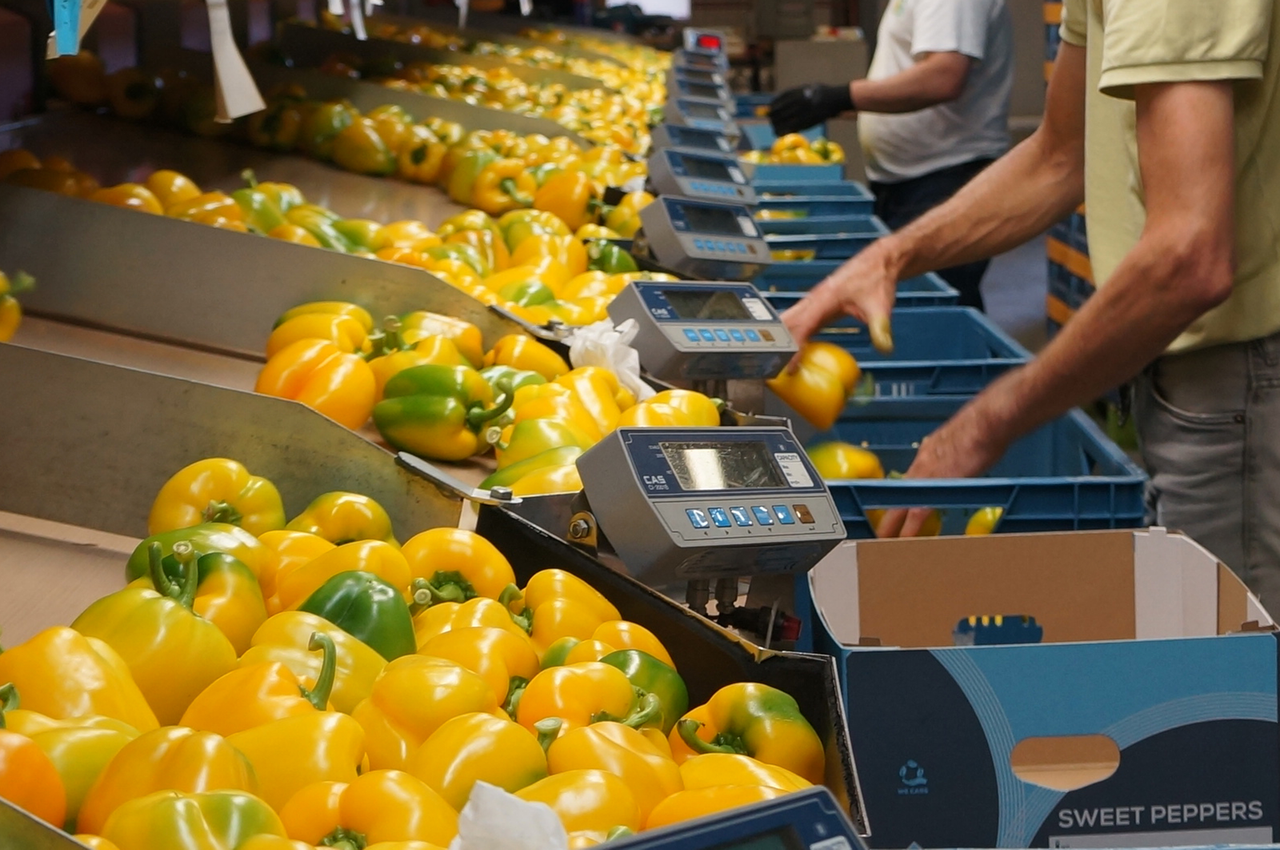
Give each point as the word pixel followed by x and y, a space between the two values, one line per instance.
pixel 1209 427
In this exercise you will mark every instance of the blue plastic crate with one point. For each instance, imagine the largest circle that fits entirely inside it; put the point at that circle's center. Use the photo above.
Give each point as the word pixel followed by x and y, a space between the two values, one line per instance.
pixel 791 189
pixel 927 290
pixel 839 245
pixel 746 105
pixel 855 200
pixel 825 225
pixel 759 136
pixel 1065 476
pixel 790 173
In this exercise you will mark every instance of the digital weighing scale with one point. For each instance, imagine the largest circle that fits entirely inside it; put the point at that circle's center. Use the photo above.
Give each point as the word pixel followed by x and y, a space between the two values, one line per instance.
pixel 699 175
pixel 705 113
pixel 704 331
pixel 806 820
pixel 692 138
pixel 702 239
pixel 686 85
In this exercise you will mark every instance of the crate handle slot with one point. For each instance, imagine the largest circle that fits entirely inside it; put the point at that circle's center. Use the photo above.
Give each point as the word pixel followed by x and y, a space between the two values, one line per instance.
pixel 1065 763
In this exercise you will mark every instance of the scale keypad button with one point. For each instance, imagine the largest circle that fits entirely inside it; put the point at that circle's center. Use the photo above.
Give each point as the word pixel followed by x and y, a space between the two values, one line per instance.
pixel 718 517
pixel 784 515
pixel 707 336
pixel 752 335
pixel 741 516
pixel 697 518
pixel 762 514
pixel 803 513
pixel 699 244
pixel 723 336
pixel 691 335
pixel 737 335
pixel 767 336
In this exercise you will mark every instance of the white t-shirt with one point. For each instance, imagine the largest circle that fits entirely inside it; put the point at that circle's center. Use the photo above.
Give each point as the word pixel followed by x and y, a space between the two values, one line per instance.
pixel 975 126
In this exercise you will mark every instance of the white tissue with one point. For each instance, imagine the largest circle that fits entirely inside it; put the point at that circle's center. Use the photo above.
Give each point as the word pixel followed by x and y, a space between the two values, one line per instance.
pixel 604 345
pixel 492 819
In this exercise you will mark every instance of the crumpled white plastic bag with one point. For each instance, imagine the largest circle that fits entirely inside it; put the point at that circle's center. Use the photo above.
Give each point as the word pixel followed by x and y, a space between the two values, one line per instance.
pixel 604 345
pixel 492 819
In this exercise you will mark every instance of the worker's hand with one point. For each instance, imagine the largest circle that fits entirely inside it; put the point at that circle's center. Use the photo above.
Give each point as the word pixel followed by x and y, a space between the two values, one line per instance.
pixel 864 287
pixel 801 108
pixel 965 446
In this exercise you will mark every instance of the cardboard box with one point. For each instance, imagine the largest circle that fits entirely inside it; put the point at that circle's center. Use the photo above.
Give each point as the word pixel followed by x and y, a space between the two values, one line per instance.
pixel 1139 721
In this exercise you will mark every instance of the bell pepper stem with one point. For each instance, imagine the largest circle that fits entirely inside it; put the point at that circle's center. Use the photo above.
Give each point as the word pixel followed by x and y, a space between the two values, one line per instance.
pixel 249 177
pixel 688 730
pixel 618 832
pixel 477 417
pixel 548 730
pixel 449 586
pixel 515 690
pixel 220 511
pixel 343 839
pixel 21 282
pixel 509 596
pixel 649 710
pixel 319 695
pixel 8 700
pixel 183 591
pixel 508 186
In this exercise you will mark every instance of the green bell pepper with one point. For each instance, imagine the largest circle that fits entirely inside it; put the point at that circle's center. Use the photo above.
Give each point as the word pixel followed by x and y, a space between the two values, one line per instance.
pixel 367 608
pixel 437 411
pixel 556 654
pixel 527 293
pixel 321 224
pixel 508 475
pixel 653 677
pixel 459 251
pixel 360 232
pixel 260 212
pixel 204 538
pixel 322 126
pixel 463 178
pixel 609 257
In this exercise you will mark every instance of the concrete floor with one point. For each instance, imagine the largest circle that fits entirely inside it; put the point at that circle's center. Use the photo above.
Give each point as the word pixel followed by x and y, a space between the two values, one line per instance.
pixel 1014 290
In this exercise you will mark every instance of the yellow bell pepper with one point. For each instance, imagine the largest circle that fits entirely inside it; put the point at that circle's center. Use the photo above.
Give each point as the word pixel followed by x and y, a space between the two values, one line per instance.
pixel 546 585
pixel 296 751
pixel 415 696
pixel 10 309
pixel 286 637
pixel 171 187
pixel 256 694
pixel 527 354
pixel 370 556
pixel 505 660
pixel 625 634
pixel 446 616
pixel 344 331
pixel 381 806
pixel 622 751
pixel 172 652
pixel 344 308
pixel 586 800
pixel 571 197
pixel 654 414
pixel 342 517
pixel 983 521
pixel 478 747
pixel 755 720
pixel 836 461
pixel 625 217
pixel 227 592
pixel 488 244
pixel 288 232
pixel 686 805
pixel 214 820
pixel 561 618
pixel 712 769
pixel 457 564
pixel 596 393
pixel 420 156
pixel 322 376
pixel 548 480
pixel 62 674
pixel 503 185
pixel 466 336
pixel 290 550
pixel 97 842
pixel 132 196
pixel 216 490
pixel 582 694
pixel 701 410
pixel 171 758
pixel 431 349
pixel 79 748
pixel 818 390
pixel 568 251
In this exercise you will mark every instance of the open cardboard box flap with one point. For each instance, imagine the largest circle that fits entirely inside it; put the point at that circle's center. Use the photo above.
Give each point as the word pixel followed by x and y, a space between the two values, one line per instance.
pixel 1093 586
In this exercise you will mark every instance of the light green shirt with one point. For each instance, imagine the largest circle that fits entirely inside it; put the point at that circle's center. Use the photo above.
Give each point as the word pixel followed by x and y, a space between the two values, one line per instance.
pixel 1132 42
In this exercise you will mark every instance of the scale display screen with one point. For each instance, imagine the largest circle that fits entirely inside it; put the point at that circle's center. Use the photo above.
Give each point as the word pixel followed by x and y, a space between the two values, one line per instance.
pixel 692 305
pixel 706 90
pixel 735 465
pixel 783 839
pixel 696 109
pixel 714 220
pixel 707 169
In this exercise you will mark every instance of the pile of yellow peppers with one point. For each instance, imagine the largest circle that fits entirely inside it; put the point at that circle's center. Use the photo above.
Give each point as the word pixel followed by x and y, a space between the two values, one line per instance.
pixel 433 391
pixel 795 149
pixel 640 57
pixel 280 685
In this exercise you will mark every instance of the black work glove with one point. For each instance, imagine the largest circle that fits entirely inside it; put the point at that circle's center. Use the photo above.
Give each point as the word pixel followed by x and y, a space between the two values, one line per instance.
pixel 801 108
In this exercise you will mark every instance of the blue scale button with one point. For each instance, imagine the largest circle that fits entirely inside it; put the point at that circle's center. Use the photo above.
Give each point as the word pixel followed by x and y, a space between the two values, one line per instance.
pixel 722 336
pixel 741 516
pixel 737 335
pixel 719 245
pixel 690 334
pixel 698 243
pixel 731 248
pixel 719 517
pixel 707 336
pixel 784 515
pixel 752 335
pixel 697 518
pixel 762 514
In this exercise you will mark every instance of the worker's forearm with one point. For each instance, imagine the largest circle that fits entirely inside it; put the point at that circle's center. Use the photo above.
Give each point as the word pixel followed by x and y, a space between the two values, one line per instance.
pixel 1016 198
pixel 1155 294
